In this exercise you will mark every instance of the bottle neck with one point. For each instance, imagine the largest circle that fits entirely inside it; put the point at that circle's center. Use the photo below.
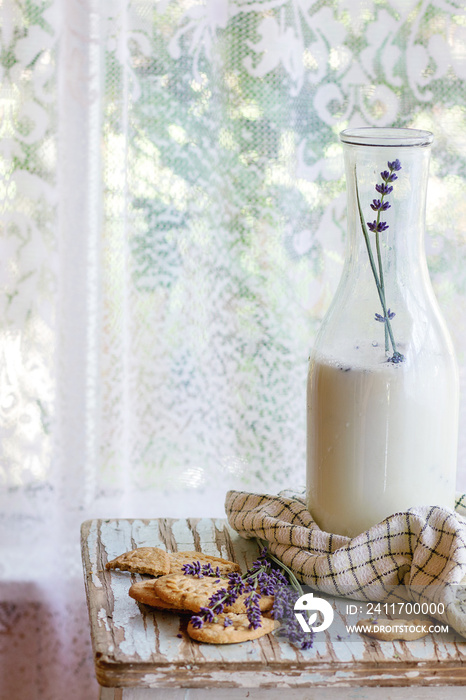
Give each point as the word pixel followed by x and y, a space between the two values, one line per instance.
pixel 386 200
pixel 386 272
pixel 384 309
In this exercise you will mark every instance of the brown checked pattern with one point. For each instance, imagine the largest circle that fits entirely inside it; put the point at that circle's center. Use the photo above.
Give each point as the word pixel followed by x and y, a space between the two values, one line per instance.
pixel 419 554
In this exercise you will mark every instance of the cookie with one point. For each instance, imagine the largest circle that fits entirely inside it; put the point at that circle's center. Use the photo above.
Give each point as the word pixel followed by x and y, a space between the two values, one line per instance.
pixel 144 560
pixel 265 604
pixel 237 631
pixel 178 559
pixel 143 592
pixel 389 630
pixel 187 592
pixel 192 593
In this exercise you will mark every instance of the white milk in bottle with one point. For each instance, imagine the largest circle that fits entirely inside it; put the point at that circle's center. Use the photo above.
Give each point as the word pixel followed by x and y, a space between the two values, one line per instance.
pixel 382 407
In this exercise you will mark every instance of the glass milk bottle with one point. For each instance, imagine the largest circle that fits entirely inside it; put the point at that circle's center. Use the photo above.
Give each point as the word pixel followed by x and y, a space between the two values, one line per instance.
pixel 382 407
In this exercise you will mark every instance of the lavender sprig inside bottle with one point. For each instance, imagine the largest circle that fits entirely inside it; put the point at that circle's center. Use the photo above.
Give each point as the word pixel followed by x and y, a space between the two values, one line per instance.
pixel 379 205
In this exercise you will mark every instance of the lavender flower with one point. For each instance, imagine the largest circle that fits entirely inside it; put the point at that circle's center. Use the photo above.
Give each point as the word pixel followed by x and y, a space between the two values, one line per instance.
pixel 200 570
pixel 383 188
pixel 378 205
pixel 283 610
pixel 217 601
pixel 236 582
pixel 197 621
pixel 383 319
pixel 253 610
pixel 377 226
pixel 267 583
pixel 396 165
pixel 208 614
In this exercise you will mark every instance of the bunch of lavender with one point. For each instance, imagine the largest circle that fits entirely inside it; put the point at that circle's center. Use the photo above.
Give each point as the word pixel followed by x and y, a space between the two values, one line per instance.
pixel 260 579
pixel 380 205
pixel 286 595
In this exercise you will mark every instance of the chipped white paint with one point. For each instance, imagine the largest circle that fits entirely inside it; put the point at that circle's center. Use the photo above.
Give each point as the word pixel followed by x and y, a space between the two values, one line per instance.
pixel 153 680
pixel 139 638
pixel 115 537
pixel 139 648
pixel 141 641
pixel 345 651
pixel 183 536
pixel 169 645
pixel 206 533
pixel 147 534
pixel 139 634
pixel 102 618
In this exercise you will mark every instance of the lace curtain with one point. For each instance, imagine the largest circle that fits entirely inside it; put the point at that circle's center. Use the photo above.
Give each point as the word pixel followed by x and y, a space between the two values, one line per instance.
pixel 172 227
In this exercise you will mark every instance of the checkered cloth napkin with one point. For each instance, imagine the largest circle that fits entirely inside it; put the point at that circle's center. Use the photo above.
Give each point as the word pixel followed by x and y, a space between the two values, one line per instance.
pixel 417 555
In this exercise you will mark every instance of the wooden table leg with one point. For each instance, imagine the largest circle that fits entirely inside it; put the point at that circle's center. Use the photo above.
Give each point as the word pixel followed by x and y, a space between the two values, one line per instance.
pixel 110 693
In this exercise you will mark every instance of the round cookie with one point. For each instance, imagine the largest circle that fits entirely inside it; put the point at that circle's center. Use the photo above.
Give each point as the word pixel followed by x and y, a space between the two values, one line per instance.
pixel 237 631
pixel 143 592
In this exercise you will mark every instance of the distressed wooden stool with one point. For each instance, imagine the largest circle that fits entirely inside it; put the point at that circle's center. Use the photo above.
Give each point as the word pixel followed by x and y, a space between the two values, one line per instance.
pixel 141 654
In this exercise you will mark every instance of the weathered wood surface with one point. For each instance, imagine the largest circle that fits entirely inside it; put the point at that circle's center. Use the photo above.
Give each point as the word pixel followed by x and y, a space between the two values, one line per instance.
pixel 135 646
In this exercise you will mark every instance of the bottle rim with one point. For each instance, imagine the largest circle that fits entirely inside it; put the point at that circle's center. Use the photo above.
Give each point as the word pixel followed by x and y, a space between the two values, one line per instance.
pixel 386 137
